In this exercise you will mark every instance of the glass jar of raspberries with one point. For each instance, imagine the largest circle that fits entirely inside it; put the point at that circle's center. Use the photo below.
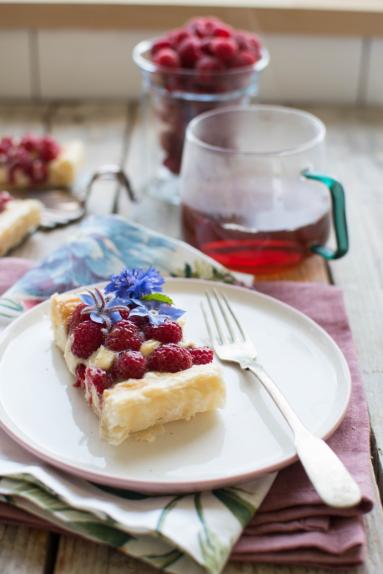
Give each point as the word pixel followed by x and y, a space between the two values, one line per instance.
pixel 193 69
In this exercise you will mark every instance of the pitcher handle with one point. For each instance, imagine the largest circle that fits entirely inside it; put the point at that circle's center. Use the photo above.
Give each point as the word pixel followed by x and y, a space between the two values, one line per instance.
pixel 338 204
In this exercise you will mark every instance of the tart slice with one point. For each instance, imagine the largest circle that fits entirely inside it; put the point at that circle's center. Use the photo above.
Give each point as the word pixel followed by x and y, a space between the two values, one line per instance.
pixel 18 218
pixel 126 349
pixel 35 161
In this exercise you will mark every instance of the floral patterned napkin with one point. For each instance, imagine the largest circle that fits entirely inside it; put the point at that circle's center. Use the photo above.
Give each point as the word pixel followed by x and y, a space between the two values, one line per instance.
pixel 102 246
pixel 183 534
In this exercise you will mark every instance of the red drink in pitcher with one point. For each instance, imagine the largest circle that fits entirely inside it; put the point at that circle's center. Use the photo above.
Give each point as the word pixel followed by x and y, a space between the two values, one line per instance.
pixel 268 238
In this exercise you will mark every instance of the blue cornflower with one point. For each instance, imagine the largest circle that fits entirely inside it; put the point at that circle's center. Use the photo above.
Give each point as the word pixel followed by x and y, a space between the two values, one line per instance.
pixel 156 312
pixel 132 284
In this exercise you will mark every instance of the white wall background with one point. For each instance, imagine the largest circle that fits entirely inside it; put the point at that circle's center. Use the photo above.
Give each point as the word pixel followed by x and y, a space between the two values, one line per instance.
pixel 73 64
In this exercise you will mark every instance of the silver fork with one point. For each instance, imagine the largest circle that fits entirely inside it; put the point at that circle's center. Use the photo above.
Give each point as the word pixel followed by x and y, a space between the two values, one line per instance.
pixel 329 476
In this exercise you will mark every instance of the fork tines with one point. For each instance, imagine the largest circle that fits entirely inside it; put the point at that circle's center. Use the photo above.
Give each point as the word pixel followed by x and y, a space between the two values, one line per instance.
pixel 227 327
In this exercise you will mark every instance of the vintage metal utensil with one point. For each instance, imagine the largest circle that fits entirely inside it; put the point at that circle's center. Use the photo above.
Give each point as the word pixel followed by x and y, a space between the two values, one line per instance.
pixel 62 207
pixel 329 476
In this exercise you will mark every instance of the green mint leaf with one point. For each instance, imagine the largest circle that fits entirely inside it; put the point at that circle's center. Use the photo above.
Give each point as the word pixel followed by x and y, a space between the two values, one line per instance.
pixel 161 297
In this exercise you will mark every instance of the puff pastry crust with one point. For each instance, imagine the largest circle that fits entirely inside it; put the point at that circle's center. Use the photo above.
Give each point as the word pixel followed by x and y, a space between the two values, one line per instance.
pixel 135 406
pixel 17 220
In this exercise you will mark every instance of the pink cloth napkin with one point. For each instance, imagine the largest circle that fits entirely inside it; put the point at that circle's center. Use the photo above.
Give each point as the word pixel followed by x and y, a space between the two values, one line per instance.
pixel 12 269
pixel 292 526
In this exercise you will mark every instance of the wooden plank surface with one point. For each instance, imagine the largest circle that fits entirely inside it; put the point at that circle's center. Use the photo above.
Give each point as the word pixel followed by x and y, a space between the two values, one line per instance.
pixel 17 120
pixel 77 556
pixel 23 550
pixel 356 143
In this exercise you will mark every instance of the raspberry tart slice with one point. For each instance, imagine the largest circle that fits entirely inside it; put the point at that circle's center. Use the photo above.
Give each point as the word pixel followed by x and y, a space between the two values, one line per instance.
pixel 38 161
pixel 18 218
pixel 126 350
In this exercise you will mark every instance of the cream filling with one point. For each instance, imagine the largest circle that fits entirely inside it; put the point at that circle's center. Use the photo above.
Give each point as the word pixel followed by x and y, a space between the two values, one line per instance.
pixel 71 360
pixel 102 358
pixel 149 346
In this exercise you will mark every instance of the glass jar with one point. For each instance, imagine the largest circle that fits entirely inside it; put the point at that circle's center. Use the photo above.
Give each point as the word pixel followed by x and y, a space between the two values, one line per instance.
pixel 172 98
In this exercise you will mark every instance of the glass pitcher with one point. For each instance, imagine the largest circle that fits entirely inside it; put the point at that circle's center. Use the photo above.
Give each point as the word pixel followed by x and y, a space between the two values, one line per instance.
pixel 253 192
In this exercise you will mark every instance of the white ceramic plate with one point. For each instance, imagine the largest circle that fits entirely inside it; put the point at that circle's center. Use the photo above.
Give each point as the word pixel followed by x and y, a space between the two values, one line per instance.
pixel 42 411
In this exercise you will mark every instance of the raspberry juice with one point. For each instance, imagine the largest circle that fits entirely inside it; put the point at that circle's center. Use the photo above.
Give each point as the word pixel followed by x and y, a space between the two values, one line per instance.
pixel 269 237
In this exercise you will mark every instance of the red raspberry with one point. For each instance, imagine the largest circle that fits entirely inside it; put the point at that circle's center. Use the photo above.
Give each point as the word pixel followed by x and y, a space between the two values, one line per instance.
pixel 169 359
pixel 170 141
pixel 38 171
pixel 167 332
pixel 167 58
pixel 129 365
pixel 80 375
pixel 203 27
pixel 87 338
pixel 13 171
pixel 124 335
pixel 255 43
pixel 177 36
pixel 159 45
pixel 242 39
pixel 140 322
pixel 248 42
pixel 99 378
pixel 224 49
pixel 77 317
pixel 30 143
pixel 222 31
pixel 189 52
pixel 48 149
pixel 173 163
pixel 6 144
pixel 245 58
pixel 209 64
pixel 22 158
pixel 205 47
pixel 125 313
pixel 201 355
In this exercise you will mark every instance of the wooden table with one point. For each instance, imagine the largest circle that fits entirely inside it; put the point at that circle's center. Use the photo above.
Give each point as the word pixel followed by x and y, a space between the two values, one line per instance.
pixel 112 134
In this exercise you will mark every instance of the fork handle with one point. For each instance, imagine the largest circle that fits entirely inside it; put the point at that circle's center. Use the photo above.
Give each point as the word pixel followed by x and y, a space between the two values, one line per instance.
pixel 329 476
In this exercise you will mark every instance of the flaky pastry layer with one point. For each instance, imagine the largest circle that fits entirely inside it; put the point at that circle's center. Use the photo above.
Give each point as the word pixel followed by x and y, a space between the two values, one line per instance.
pixel 17 220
